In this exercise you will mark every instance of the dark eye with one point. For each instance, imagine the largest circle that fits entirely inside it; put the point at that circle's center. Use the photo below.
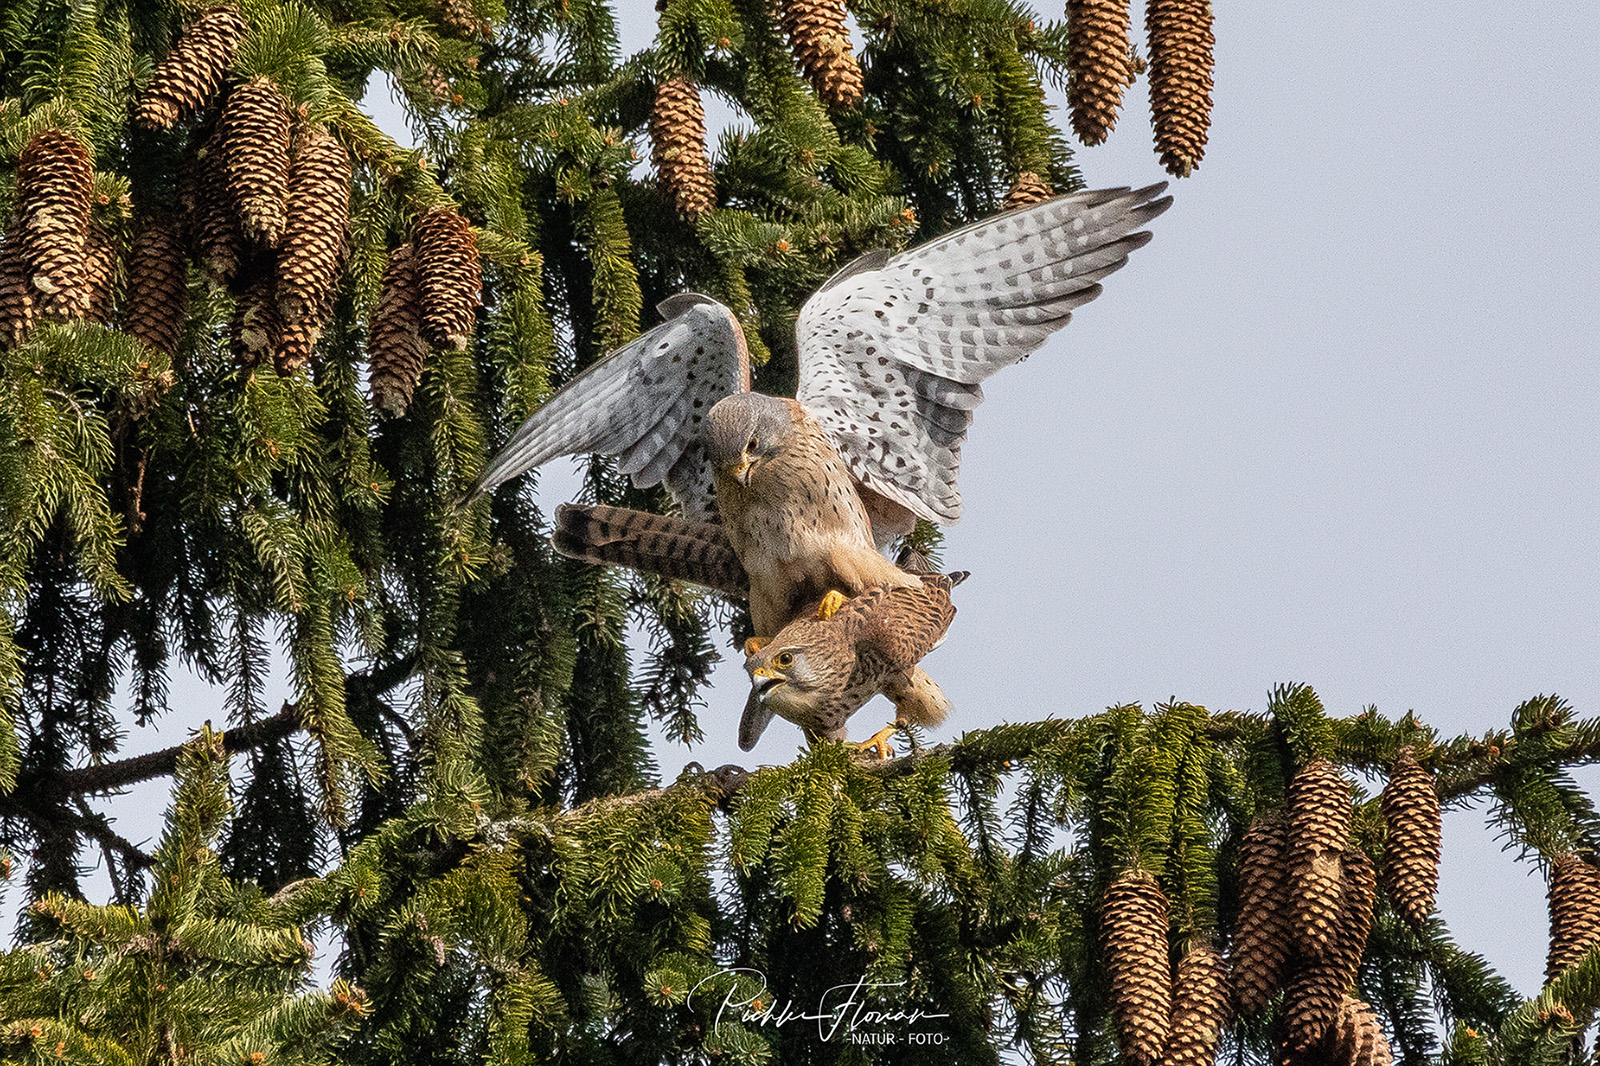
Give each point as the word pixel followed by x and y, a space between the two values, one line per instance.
pixel 754 444
pixel 783 660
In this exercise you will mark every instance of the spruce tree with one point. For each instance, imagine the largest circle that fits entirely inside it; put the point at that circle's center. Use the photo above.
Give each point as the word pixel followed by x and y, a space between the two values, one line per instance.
pixel 253 353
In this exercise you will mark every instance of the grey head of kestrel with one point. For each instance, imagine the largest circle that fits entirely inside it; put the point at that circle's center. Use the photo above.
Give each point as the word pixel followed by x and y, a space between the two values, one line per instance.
pixel 745 429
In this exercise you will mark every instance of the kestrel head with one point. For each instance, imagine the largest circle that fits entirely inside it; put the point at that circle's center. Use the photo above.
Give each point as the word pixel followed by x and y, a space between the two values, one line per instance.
pixel 743 429
pixel 797 674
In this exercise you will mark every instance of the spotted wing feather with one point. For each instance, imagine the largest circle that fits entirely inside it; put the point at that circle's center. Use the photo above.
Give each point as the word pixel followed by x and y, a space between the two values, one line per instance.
pixel 893 351
pixel 644 404
pixel 900 626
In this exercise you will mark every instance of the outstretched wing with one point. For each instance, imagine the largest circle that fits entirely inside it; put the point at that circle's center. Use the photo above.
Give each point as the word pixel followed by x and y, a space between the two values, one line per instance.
pixel 892 350
pixel 644 404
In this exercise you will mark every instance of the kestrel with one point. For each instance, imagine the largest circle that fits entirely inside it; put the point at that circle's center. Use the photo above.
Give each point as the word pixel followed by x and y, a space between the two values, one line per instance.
pixel 825 665
pixel 892 351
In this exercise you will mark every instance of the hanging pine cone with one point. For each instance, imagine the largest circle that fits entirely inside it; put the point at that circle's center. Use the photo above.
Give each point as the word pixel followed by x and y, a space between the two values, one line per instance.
pixel 189 76
pixel 1357 1039
pixel 1263 933
pixel 254 331
pixel 101 260
pixel 55 182
pixel 1319 984
pixel 1574 913
pixel 255 157
pixel 449 277
pixel 1411 853
pixel 17 308
pixel 396 351
pixel 211 224
pixel 821 42
pixel 1097 65
pixel 158 286
pixel 1133 933
pixel 297 342
pixel 678 147
pixel 315 237
pixel 1319 825
pixel 433 79
pixel 1028 190
pixel 1199 1009
pixel 1180 80
pixel 457 15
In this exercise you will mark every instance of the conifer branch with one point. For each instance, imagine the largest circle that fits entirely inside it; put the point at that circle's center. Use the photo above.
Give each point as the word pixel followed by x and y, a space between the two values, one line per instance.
pixel 94 824
pixel 728 780
pixel 123 772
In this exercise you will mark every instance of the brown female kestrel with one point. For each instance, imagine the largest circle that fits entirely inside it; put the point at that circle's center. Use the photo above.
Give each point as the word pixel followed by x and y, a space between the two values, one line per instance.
pixel 892 349
pixel 825 665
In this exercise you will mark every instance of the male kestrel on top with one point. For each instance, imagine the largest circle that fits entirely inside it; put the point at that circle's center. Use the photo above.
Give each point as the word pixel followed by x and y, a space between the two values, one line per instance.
pixel 892 350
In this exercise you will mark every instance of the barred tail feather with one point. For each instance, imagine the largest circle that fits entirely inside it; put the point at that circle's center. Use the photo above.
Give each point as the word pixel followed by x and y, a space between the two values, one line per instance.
pixel 651 543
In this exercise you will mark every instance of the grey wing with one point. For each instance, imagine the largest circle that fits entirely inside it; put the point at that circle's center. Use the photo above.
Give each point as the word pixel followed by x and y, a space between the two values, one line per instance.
pixel 892 350
pixel 643 403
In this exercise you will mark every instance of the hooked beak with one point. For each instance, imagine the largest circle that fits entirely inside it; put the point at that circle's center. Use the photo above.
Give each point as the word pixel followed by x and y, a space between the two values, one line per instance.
pixel 768 681
pixel 741 470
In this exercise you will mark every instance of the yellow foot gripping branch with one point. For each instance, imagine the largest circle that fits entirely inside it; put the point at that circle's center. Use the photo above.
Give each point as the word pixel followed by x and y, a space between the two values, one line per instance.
pixel 879 744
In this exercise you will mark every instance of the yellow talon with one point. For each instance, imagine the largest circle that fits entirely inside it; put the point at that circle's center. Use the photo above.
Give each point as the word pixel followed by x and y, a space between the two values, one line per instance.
pixel 754 645
pixel 831 603
pixel 878 743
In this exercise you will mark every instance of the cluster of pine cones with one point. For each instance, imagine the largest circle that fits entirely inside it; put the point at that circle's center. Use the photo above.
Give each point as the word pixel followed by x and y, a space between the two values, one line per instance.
pixel 430 297
pixel 1175 1020
pixel 1101 64
pixel 820 42
pixel 264 206
pixel 1306 898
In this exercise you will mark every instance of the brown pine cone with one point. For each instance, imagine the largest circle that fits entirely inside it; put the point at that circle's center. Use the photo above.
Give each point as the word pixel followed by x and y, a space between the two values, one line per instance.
pixel 1574 913
pixel 1356 1039
pixel 1199 1009
pixel 255 157
pixel 1317 989
pixel 1319 826
pixel 821 43
pixel 1133 934
pixel 1028 190
pixel 1414 826
pixel 190 75
pixel 158 286
pixel 396 351
pixel 297 342
pixel 1263 933
pixel 102 260
pixel 457 15
pixel 210 222
pixel 678 147
pixel 17 308
pixel 449 277
pixel 55 183
pixel 255 331
pixel 315 239
pixel 1180 80
pixel 1097 65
